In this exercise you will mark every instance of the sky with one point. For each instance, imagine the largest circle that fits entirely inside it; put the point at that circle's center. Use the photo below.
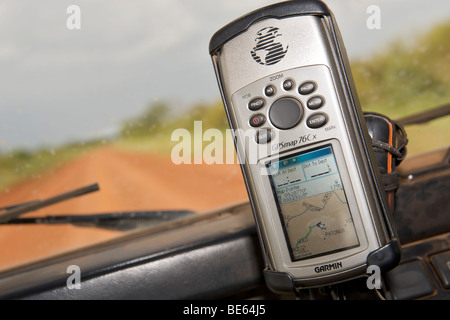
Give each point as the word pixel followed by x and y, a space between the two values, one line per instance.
pixel 59 84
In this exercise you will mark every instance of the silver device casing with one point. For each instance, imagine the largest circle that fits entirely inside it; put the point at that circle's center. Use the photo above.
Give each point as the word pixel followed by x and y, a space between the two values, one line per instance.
pixel 315 52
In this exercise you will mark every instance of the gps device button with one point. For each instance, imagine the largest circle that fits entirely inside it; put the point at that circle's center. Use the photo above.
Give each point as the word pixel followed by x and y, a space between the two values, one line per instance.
pixel 307 88
pixel 257 120
pixel 256 104
pixel 315 103
pixel 288 84
pixel 269 91
pixel 264 136
pixel 286 113
pixel 316 120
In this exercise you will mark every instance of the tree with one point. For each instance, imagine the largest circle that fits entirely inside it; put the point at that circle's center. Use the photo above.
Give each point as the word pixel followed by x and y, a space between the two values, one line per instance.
pixel 148 123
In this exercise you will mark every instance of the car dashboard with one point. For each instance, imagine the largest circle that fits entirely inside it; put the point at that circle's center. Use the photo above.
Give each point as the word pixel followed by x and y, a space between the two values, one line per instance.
pixel 216 254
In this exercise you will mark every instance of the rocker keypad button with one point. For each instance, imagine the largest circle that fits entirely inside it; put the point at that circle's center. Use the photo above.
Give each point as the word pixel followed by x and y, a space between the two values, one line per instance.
pixel 286 113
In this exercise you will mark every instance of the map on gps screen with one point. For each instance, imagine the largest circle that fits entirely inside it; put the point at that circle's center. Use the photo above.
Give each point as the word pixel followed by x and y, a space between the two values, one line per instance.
pixel 313 204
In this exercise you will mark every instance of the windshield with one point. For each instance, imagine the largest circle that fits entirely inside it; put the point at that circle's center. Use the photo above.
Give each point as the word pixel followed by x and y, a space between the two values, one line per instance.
pixel 123 95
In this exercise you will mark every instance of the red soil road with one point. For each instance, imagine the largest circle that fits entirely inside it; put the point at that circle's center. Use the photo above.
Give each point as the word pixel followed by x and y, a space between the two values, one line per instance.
pixel 128 181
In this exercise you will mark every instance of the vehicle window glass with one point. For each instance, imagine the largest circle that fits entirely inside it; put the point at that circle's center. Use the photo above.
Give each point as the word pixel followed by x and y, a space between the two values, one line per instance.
pixel 123 94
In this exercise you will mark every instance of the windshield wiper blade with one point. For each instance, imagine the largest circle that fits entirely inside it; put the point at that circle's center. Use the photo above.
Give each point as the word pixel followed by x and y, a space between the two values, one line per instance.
pixel 426 116
pixel 118 221
pixel 12 206
pixel 18 210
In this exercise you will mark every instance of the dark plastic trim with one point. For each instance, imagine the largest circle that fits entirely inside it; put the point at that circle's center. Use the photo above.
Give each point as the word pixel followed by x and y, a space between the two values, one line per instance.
pixel 199 257
pixel 279 282
pixel 387 257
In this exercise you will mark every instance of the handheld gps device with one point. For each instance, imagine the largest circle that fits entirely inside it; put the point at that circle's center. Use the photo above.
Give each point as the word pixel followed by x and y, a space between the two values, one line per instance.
pixel 303 146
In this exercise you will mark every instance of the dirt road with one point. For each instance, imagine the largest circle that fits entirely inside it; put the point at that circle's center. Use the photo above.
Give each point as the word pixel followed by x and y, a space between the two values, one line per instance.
pixel 128 181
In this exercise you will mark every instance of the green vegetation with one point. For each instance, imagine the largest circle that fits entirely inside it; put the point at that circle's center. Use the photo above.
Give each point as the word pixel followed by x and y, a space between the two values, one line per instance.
pixel 406 78
pixel 145 134
pixel 152 120
pixel 19 165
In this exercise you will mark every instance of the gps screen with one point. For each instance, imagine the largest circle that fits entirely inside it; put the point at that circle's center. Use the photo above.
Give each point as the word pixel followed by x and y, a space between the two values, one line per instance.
pixel 312 204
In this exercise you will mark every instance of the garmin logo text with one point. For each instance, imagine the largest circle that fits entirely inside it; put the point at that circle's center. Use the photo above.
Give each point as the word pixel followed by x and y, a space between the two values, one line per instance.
pixel 328 267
